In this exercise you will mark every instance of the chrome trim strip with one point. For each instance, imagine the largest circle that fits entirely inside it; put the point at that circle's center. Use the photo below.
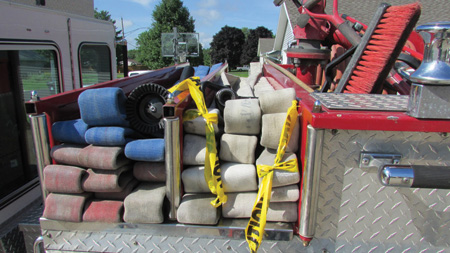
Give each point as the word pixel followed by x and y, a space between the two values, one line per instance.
pixel 310 180
pixel 173 164
pixel 42 147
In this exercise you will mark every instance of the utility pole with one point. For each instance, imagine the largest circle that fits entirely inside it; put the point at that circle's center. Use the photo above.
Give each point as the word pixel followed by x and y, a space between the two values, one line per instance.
pixel 175 45
pixel 123 44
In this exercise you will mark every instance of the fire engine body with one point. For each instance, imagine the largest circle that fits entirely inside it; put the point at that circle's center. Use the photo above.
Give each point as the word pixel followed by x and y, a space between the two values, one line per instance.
pixel 374 175
pixel 343 207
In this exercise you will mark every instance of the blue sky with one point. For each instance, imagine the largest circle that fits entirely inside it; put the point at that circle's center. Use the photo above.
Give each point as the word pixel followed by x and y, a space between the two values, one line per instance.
pixel 210 15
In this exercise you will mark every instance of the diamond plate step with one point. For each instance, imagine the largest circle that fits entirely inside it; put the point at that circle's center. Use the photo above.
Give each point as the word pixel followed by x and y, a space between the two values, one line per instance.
pixel 366 102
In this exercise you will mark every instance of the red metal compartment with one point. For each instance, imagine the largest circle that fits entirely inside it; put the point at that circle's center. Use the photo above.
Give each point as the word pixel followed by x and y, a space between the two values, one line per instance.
pixel 352 119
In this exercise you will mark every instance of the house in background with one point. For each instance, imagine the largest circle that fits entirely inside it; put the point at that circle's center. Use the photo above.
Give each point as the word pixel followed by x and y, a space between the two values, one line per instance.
pixel 265 45
pixel 363 11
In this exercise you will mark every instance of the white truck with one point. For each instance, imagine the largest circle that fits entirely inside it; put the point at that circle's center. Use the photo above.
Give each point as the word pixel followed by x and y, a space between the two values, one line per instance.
pixel 49 52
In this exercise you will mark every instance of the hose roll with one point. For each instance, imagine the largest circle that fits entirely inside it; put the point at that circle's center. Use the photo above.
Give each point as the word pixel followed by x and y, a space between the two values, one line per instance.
pixel 223 95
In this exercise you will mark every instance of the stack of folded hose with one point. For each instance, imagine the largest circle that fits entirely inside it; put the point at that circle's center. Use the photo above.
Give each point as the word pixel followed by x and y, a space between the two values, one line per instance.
pixel 195 207
pixel 263 86
pixel 255 84
pixel 145 203
pixel 252 130
pixel 266 116
pixel 285 191
pixel 95 171
pixel 242 119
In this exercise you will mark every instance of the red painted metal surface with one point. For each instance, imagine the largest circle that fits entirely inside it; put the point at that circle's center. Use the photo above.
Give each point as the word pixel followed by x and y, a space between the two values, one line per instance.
pixel 302 55
pixel 356 120
pixel 314 29
pixel 345 119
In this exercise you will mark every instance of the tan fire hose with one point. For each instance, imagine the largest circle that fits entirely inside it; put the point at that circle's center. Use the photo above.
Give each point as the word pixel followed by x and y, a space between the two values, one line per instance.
pixel 290 75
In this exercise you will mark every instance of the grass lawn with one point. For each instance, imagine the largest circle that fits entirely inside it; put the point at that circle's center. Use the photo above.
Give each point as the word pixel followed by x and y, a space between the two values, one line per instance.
pixel 239 73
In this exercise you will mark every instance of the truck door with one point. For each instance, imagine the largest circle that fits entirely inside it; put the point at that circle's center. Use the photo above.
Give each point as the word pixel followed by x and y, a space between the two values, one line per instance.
pixel 23 69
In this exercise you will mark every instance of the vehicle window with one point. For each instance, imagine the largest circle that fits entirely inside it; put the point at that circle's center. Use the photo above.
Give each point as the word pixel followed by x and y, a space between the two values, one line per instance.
pixel 38 70
pixel 95 64
pixel 23 68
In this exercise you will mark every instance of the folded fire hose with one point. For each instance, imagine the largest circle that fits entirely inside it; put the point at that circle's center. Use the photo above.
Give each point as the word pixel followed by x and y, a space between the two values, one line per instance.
pixel 256 225
pixel 255 228
pixel 212 169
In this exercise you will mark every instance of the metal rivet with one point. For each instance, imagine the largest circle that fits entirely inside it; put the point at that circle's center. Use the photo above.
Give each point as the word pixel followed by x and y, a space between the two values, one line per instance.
pixel 152 108
pixel 317 107
pixel 365 161
pixel 170 99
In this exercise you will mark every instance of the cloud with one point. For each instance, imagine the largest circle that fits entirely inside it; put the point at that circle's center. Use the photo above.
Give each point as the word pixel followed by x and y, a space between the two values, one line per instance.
pixel 145 3
pixel 205 39
pixel 206 43
pixel 208 3
pixel 207 15
pixel 127 23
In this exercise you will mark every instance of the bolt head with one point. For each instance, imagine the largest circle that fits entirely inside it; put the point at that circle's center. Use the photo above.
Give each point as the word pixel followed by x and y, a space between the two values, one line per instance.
pixel 365 161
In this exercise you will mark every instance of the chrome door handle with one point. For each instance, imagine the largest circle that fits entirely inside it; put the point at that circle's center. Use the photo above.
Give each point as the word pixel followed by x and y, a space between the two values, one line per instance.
pixel 415 176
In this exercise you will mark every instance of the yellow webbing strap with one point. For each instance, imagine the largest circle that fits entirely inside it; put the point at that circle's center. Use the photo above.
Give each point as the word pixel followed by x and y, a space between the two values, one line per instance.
pixel 255 228
pixel 212 169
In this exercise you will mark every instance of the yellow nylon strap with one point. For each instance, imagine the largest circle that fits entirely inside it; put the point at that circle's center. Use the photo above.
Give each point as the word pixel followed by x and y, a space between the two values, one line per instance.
pixel 212 167
pixel 255 228
pixel 184 85
pixel 286 132
pixel 290 166
pixel 192 114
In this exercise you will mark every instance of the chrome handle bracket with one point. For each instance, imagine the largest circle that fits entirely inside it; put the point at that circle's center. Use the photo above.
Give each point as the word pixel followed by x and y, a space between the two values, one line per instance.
pixel 371 160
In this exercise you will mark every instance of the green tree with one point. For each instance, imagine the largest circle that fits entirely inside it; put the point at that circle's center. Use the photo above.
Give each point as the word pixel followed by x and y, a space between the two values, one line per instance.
pixel 166 15
pixel 250 48
pixel 227 45
pixel 207 56
pixel 246 32
pixel 132 54
pixel 195 61
pixel 104 15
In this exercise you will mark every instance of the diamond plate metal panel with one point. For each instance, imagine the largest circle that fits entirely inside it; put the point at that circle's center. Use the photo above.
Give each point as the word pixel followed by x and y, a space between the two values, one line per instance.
pixel 30 233
pixel 96 237
pixel 16 239
pixel 370 102
pixel 357 214
pixel 12 242
pixel 83 241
